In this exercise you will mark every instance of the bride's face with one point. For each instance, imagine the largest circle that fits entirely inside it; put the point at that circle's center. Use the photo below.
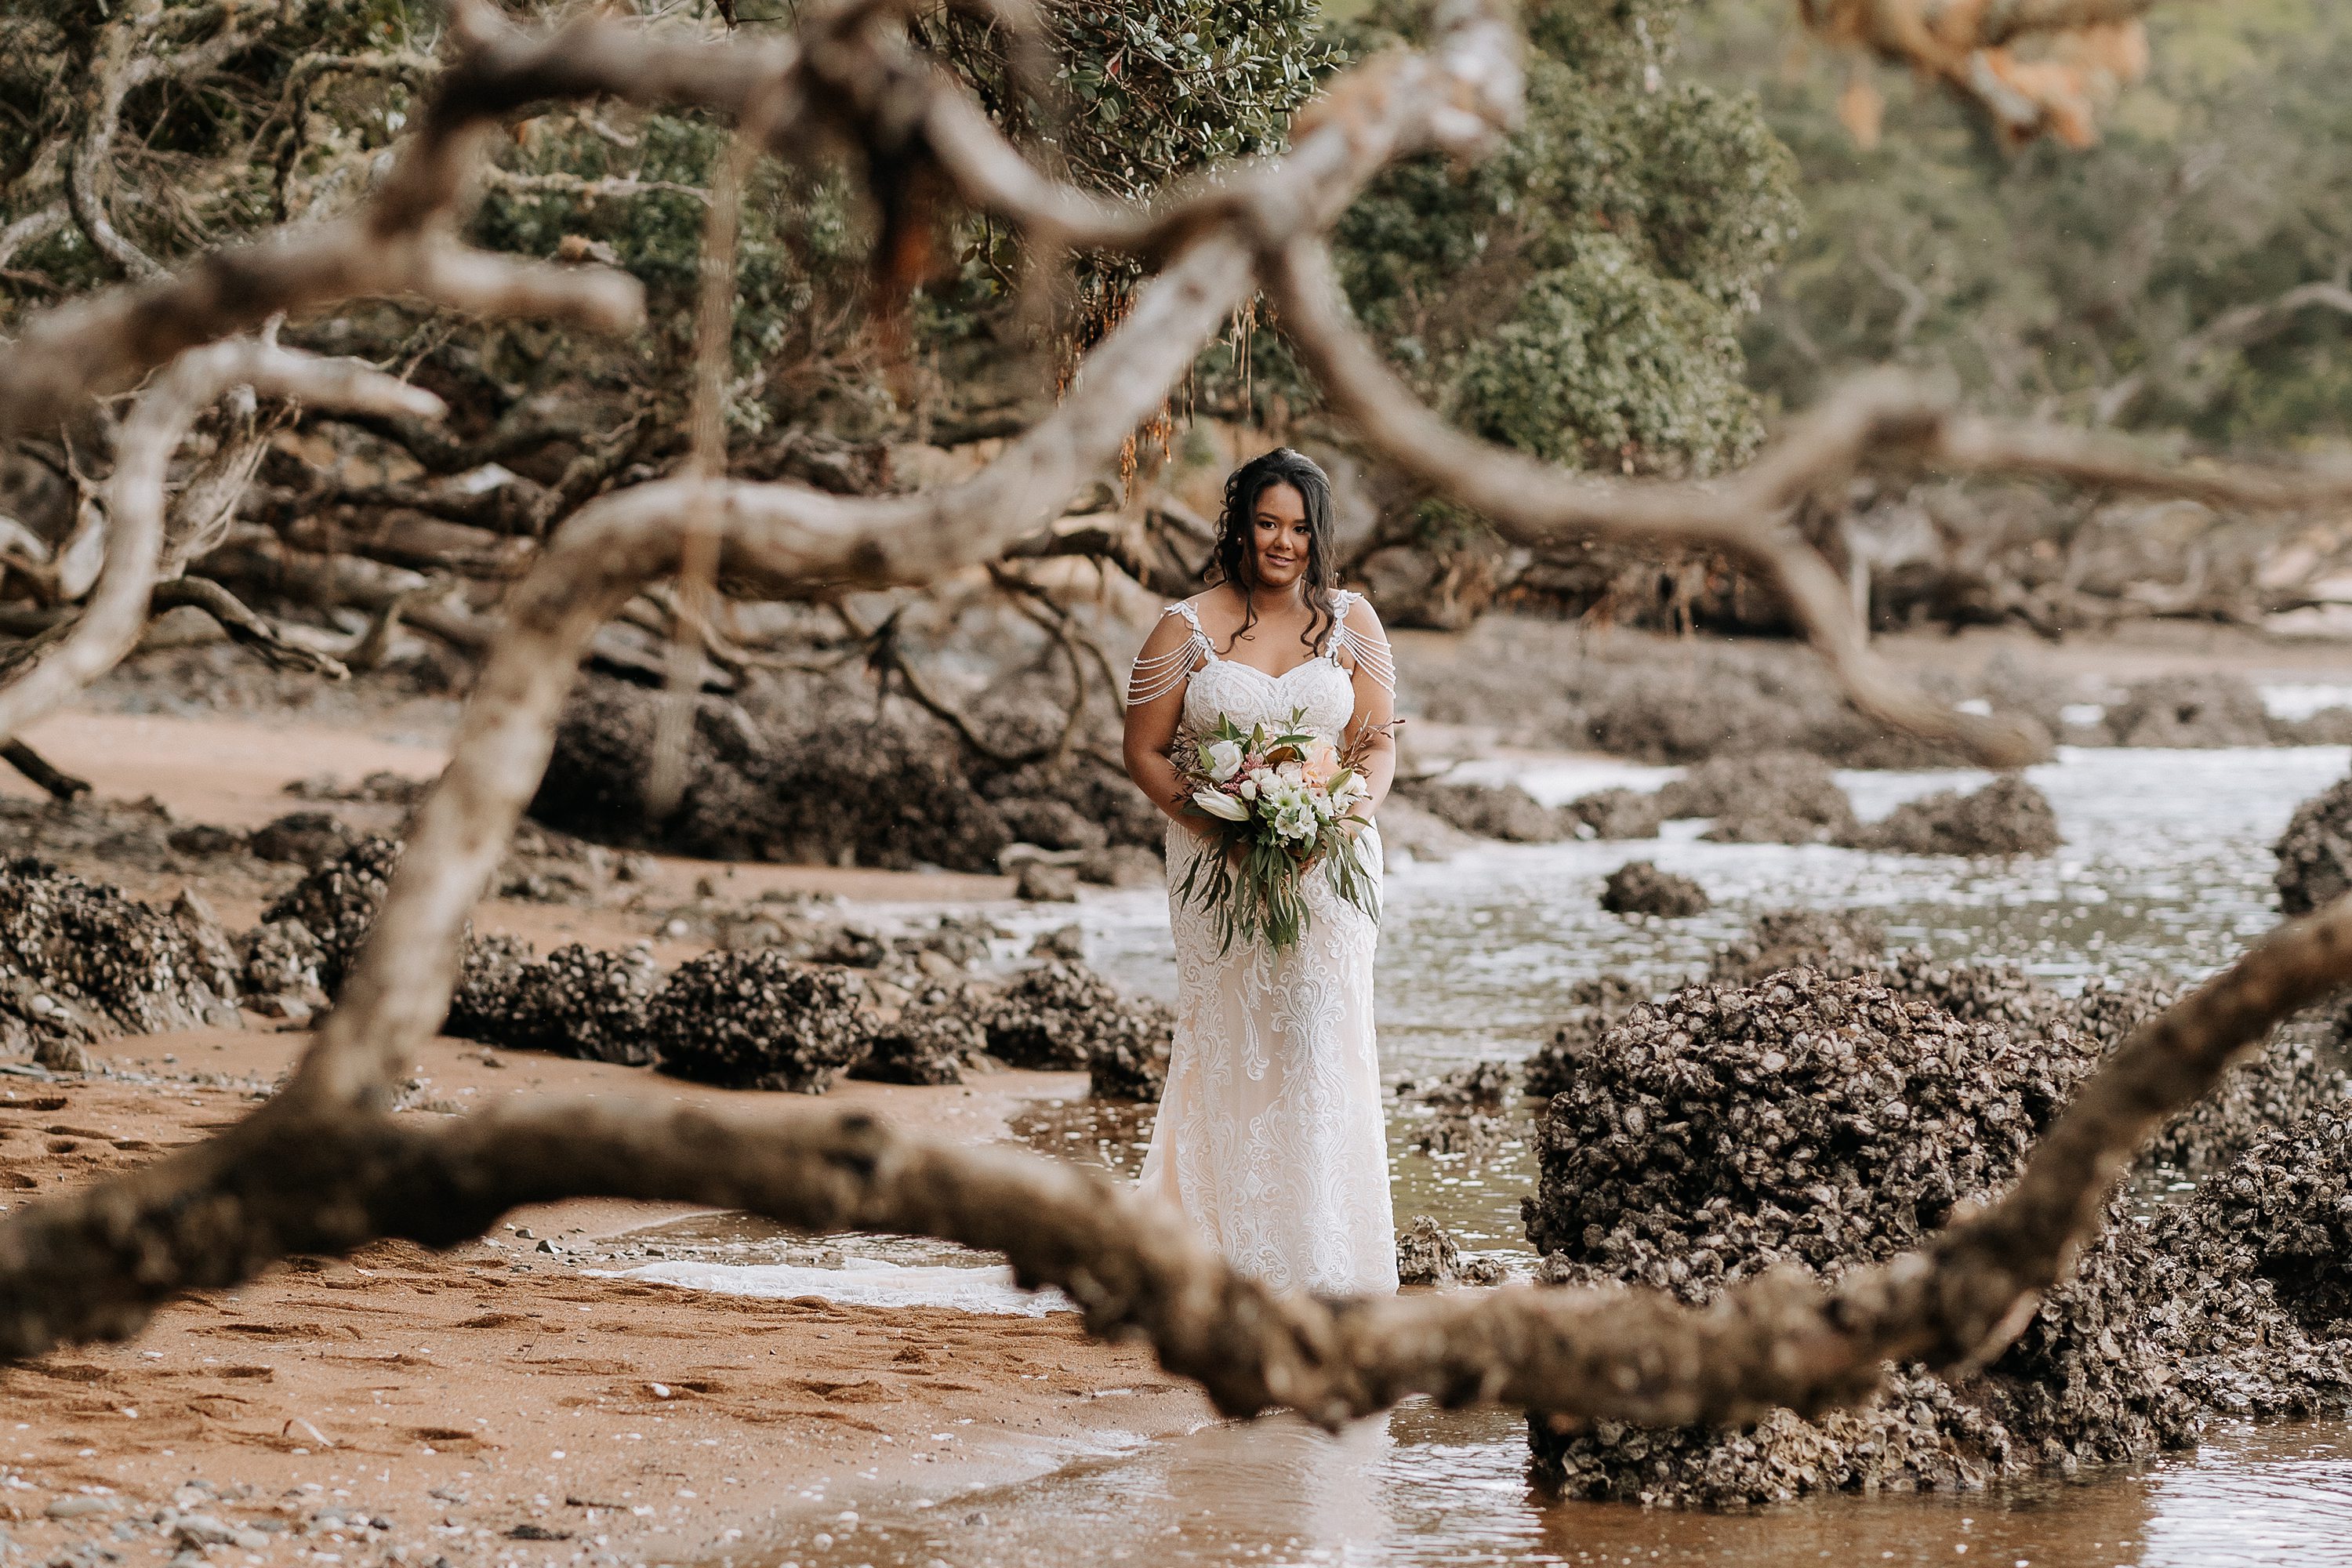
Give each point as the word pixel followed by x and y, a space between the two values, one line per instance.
pixel 1281 539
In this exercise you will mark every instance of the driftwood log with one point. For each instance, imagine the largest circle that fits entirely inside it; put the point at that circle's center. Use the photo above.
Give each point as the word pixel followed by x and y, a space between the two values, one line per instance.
pixel 325 1166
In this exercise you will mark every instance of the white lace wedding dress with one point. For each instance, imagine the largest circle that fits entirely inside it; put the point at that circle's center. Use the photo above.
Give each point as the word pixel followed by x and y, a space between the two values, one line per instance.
pixel 1270 1135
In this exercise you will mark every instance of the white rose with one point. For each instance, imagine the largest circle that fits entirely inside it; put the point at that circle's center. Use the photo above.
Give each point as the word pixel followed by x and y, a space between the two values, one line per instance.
pixel 1249 788
pixel 1217 803
pixel 1224 760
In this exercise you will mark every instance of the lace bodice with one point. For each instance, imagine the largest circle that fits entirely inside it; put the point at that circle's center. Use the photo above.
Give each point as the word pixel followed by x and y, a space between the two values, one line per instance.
pixel 1322 690
pixel 1319 690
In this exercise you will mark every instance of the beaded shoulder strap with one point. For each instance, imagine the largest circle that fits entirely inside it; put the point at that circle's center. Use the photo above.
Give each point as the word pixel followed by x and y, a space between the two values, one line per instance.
pixel 1154 678
pixel 1368 655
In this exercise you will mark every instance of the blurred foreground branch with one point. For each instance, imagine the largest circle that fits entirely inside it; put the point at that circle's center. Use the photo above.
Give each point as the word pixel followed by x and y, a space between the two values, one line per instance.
pixel 326 1166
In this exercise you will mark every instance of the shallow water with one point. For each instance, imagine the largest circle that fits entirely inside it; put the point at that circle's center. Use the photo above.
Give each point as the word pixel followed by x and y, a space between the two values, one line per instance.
pixel 2166 866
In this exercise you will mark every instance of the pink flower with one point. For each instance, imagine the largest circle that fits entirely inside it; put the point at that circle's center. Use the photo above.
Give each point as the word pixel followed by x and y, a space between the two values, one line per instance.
pixel 1322 764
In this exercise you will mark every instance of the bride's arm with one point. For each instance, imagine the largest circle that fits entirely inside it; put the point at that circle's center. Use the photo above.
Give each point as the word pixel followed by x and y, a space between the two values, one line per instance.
pixel 1375 671
pixel 1151 722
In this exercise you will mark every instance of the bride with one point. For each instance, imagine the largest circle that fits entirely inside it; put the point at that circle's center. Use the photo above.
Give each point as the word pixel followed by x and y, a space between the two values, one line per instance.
pixel 1270 1137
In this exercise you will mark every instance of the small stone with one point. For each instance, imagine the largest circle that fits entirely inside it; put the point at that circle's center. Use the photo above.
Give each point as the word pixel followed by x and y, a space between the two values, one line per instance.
pixel 79 1505
pixel 1040 881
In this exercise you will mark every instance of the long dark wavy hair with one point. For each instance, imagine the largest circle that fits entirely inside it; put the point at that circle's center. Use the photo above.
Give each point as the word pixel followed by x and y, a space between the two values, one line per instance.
pixel 1235 560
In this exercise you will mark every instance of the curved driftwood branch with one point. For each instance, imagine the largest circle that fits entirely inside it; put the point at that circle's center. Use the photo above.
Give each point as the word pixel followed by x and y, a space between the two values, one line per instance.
pixel 325 1166
pixel 308 1175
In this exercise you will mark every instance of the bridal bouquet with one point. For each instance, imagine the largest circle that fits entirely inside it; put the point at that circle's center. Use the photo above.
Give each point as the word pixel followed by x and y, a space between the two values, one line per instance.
pixel 1279 800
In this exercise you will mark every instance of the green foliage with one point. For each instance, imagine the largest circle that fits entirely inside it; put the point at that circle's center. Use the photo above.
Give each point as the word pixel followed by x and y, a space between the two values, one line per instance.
pixel 2041 279
pixel 1148 90
pixel 1578 296
pixel 1604 362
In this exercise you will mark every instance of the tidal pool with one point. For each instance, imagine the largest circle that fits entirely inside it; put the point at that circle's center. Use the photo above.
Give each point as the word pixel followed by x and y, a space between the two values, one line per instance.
pixel 2165 865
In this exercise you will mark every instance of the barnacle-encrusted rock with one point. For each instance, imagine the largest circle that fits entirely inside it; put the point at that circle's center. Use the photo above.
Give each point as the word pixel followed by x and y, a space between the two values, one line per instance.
pixel 1593 1006
pixel 280 958
pixel 2006 816
pixel 1128 1060
pixel 1639 888
pixel 1469 1106
pixel 1615 814
pixel 756 1020
pixel 2315 853
pixel 1828 1124
pixel 1837 943
pixel 1771 797
pixel 936 1038
pixel 1802 1108
pixel 1491 811
pixel 2192 709
pixel 1822 1124
pixel 1058 1014
pixel 302 837
pixel 488 1004
pixel 338 902
pixel 810 772
pixel 80 960
pixel 1426 1254
pixel 581 1002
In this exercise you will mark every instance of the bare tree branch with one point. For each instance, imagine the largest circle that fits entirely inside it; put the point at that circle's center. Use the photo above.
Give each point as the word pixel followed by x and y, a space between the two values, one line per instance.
pixel 119 603
pixel 2233 328
pixel 324 1167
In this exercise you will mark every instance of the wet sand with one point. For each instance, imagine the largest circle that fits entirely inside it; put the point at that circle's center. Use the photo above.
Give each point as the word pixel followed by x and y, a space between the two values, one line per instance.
pixel 498 1402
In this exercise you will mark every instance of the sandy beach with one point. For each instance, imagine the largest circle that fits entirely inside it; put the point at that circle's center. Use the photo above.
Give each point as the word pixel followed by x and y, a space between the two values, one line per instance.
pixel 505 1401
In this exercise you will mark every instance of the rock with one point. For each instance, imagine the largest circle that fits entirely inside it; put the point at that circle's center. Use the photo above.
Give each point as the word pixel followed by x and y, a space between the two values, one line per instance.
pixel 1615 814
pixel 1041 881
pixel 1051 824
pixel 202 841
pixel 1550 683
pixel 1594 1005
pixel 1067 942
pixel 1769 797
pixel 1819 1124
pixel 576 1001
pixel 281 958
pixel 1639 888
pixel 1803 1104
pixel 2315 853
pixel 379 788
pixel 79 961
pixel 2204 708
pixel 1426 1254
pixel 1470 1105
pixel 336 902
pixel 1059 1015
pixel 309 838
pixel 1408 829
pixel 809 769
pixel 2006 816
pixel 544 867
pixel 936 1038
pixel 1121 866
pixel 1490 811
pixel 1837 945
pixel 755 1020
pixel 1128 1060
pixel 77 1506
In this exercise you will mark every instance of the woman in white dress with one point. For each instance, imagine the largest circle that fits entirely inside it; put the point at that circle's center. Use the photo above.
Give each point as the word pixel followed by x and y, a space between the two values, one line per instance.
pixel 1270 1135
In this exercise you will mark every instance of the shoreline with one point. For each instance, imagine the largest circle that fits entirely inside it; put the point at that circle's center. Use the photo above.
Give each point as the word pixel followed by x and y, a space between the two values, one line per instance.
pixel 505 1401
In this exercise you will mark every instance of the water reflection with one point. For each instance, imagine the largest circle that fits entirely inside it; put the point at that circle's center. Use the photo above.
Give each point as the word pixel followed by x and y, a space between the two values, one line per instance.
pixel 2166 865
